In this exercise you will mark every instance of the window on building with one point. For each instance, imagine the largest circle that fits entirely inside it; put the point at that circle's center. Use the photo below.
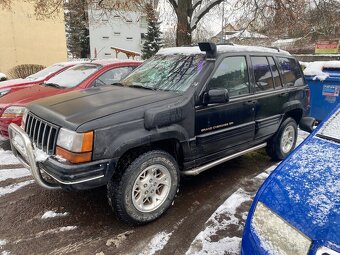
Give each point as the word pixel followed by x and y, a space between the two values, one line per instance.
pixel 143 21
pixel 232 74
pixel 106 37
pixel 262 73
pixel 116 33
pixel 129 38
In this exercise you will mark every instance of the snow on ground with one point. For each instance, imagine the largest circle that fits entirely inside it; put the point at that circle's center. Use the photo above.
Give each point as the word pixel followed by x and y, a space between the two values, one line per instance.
pixel 13 173
pixel 53 214
pixel 7 158
pixel 157 243
pixel 14 187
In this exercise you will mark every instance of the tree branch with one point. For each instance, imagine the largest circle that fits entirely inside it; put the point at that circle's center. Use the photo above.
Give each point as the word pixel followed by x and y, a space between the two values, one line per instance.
pixel 174 4
pixel 200 14
pixel 195 4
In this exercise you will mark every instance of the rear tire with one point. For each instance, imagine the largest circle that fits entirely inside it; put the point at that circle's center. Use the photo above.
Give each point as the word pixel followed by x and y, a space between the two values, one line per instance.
pixel 284 141
pixel 145 189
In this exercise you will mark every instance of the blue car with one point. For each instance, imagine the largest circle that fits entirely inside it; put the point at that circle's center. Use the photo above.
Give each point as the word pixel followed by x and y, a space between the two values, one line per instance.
pixel 297 209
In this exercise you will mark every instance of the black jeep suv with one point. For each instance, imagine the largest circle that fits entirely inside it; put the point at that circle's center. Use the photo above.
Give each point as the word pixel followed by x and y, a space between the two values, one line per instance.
pixel 183 111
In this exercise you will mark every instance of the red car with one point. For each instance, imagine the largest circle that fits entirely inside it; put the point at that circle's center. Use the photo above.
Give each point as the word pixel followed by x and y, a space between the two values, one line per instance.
pixel 37 78
pixel 81 76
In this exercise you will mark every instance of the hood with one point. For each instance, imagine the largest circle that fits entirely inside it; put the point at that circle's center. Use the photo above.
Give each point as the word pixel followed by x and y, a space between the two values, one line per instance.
pixel 27 95
pixel 76 108
pixel 17 82
pixel 304 190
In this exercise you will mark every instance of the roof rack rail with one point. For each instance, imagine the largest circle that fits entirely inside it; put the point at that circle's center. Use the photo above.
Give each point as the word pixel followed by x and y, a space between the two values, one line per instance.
pixel 275 48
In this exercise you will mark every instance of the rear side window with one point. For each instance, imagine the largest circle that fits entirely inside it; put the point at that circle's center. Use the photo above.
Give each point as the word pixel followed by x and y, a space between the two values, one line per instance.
pixel 113 75
pixel 291 73
pixel 232 74
pixel 262 73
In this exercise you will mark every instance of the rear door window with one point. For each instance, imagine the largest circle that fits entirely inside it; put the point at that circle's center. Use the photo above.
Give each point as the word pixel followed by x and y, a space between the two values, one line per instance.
pixel 290 70
pixel 262 72
pixel 232 74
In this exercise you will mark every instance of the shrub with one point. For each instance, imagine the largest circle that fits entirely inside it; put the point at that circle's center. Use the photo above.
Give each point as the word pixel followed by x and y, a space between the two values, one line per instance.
pixel 3 77
pixel 22 71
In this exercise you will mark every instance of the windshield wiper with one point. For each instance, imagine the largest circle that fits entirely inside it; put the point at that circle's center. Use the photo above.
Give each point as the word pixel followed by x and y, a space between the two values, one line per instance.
pixel 333 139
pixel 140 86
pixel 51 84
pixel 118 84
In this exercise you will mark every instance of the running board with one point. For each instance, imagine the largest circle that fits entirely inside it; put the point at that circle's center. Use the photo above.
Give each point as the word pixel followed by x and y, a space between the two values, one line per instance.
pixel 203 168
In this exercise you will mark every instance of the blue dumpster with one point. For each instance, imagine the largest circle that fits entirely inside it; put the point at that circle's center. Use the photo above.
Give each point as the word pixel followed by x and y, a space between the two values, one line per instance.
pixel 324 92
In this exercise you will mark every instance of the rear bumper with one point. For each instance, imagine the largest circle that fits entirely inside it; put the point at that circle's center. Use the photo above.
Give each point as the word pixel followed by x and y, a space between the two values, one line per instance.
pixel 65 175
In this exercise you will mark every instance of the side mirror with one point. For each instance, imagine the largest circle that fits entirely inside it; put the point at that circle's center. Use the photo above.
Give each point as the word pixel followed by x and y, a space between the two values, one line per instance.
pixel 216 96
pixel 307 124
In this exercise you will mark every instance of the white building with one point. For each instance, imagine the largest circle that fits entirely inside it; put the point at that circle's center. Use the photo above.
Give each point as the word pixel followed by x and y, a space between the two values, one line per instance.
pixel 119 29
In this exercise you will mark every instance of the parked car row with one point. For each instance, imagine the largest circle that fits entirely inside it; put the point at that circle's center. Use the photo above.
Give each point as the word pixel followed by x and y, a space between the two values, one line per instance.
pixel 182 112
pixel 57 79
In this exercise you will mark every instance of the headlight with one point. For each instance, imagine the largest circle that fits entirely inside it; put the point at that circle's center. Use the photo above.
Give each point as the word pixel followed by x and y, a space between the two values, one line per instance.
pixel 74 147
pixel 4 92
pixel 13 112
pixel 276 234
pixel 24 117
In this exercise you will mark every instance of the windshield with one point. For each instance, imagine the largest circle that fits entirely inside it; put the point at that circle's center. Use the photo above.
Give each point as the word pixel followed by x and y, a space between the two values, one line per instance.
pixel 73 76
pixel 330 129
pixel 169 73
pixel 44 73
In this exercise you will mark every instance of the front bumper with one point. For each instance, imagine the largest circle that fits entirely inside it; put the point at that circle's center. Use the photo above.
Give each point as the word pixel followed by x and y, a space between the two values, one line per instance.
pixel 65 175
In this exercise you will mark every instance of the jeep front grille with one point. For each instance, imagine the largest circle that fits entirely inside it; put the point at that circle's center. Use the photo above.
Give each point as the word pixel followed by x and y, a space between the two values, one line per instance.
pixel 42 133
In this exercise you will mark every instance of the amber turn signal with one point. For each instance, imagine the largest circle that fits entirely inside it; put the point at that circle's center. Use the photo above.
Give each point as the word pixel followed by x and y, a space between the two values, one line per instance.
pixel 74 157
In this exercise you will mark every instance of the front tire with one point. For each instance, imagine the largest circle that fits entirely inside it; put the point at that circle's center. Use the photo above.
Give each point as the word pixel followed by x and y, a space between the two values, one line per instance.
pixel 284 141
pixel 145 189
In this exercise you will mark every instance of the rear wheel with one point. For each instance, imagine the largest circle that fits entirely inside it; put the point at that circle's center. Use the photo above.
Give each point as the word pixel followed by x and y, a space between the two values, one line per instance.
pixel 284 141
pixel 146 188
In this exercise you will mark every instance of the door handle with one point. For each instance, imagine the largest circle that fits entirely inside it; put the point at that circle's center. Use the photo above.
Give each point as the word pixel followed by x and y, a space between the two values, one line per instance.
pixel 250 102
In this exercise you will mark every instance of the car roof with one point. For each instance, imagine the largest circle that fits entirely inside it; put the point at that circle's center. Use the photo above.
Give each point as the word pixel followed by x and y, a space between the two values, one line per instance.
pixel 222 49
pixel 102 62
pixel 111 61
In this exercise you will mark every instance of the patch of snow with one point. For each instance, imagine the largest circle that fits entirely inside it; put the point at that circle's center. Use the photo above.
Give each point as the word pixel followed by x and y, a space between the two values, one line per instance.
pixel 40 155
pixel 13 173
pixel 14 187
pixel 245 34
pixel 3 242
pixel 285 42
pixel 53 214
pixel 5 253
pixel 55 230
pixel 220 48
pixel 117 240
pixel 7 158
pixel 157 243
pixel 219 221
pixel 316 69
